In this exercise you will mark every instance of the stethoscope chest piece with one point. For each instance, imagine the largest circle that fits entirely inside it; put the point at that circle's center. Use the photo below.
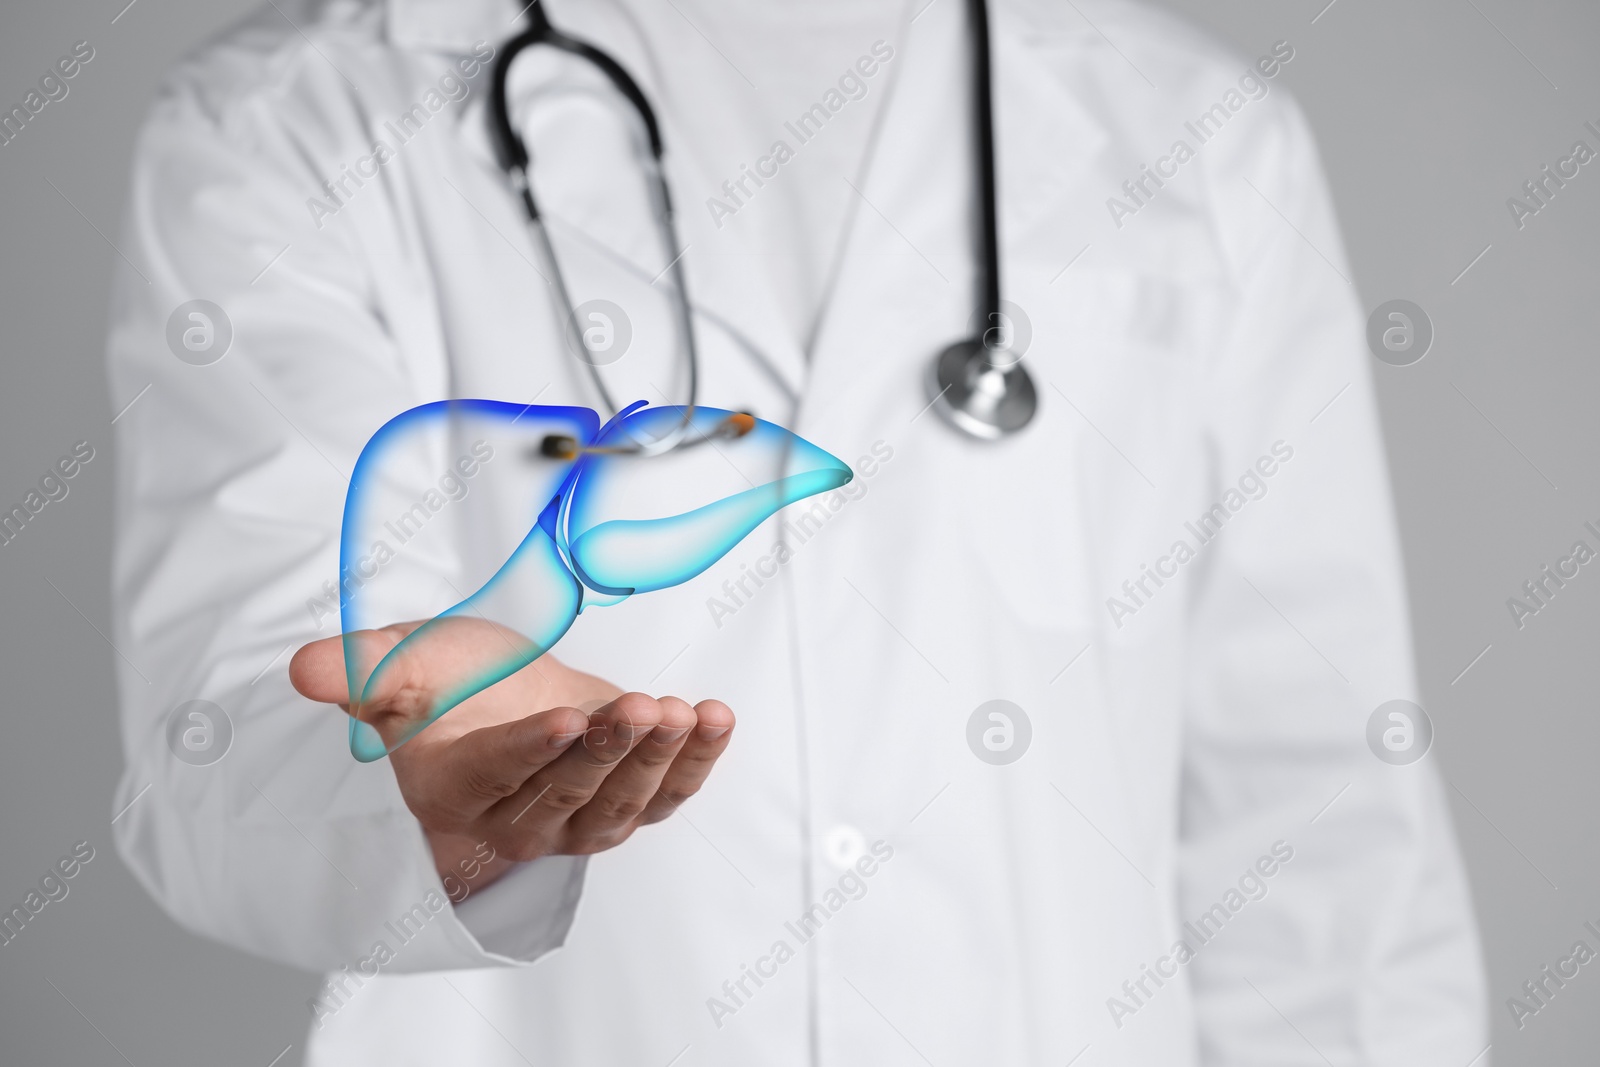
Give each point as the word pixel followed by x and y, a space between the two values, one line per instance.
pixel 979 395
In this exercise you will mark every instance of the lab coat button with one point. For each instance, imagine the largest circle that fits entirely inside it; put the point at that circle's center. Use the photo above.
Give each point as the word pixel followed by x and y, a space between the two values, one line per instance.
pixel 843 845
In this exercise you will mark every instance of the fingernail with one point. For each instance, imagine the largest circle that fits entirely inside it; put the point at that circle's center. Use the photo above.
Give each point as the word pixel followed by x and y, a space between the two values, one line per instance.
pixel 563 740
pixel 711 733
pixel 663 736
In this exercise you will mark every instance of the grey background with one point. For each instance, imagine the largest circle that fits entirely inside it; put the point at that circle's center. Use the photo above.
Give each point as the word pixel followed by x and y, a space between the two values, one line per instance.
pixel 1429 114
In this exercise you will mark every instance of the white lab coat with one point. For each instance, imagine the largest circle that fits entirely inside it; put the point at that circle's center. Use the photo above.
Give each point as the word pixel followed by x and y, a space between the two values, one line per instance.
pixel 1174 746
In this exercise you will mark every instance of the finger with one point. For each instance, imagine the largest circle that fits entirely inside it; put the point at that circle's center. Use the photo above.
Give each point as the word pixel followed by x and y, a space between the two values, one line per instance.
pixel 456 783
pixel 612 812
pixel 615 728
pixel 533 819
pixel 699 753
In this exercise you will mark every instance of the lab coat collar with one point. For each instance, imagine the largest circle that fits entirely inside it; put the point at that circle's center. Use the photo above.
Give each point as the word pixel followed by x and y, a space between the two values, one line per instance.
pixel 452 25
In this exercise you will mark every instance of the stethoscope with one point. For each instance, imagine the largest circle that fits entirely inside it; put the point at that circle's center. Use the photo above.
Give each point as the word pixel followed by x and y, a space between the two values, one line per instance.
pixel 976 384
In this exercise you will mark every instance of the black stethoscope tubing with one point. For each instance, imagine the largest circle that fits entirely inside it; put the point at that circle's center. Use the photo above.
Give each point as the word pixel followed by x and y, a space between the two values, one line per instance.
pixel 964 368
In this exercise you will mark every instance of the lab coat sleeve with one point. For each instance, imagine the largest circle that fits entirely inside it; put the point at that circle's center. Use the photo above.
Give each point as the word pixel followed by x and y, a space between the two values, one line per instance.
pixel 231 481
pixel 1363 949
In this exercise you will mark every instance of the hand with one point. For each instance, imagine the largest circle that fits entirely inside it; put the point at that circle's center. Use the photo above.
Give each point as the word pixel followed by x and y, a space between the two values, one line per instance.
pixel 546 761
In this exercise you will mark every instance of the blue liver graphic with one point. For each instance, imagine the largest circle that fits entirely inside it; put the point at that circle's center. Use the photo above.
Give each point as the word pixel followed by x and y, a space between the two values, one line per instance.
pixel 602 522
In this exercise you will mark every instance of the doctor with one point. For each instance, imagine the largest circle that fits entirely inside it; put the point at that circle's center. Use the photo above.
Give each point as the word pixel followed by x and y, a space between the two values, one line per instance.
pixel 1170 844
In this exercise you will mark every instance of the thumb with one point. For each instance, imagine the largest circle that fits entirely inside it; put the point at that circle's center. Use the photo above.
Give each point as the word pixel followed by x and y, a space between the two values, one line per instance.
pixel 317 670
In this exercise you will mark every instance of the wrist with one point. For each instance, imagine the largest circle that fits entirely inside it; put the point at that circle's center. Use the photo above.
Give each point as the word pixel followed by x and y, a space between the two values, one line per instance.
pixel 465 864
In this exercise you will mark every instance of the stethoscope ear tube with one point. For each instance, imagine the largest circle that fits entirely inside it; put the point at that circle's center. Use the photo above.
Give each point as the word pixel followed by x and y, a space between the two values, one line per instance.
pixel 514 159
pixel 509 149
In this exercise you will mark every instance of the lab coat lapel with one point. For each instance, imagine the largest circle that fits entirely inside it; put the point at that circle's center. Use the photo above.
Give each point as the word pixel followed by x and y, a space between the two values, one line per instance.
pixel 911 245
pixel 1049 141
